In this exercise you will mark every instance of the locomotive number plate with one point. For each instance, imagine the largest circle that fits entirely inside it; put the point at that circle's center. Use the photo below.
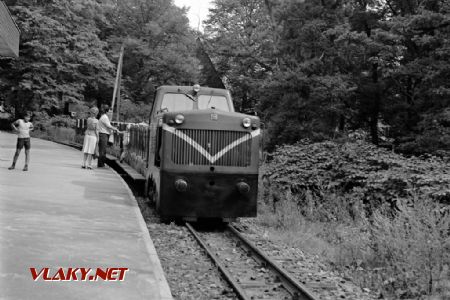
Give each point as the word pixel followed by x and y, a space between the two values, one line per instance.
pixel 214 117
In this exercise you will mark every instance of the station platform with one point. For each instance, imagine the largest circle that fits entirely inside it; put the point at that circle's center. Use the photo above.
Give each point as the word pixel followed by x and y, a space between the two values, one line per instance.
pixel 57 221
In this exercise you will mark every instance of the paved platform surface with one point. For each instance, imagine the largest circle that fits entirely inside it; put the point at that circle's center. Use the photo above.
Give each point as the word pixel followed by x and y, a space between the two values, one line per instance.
pixel 58 215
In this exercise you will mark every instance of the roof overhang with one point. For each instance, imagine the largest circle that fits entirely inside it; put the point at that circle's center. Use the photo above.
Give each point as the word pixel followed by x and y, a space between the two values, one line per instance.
pixel 9 33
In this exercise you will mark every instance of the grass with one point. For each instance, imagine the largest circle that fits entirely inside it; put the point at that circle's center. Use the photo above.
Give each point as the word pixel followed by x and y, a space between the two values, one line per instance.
pixel 400 255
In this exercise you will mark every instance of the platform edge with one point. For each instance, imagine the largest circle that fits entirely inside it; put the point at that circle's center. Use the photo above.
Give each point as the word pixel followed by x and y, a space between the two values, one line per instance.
pixel 165 293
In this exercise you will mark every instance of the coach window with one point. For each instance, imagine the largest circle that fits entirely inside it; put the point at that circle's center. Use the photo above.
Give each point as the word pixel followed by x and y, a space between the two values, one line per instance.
pixel 213 101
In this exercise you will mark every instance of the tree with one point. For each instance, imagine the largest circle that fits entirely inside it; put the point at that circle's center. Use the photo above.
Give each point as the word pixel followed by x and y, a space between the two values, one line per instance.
pixel 160 47
pixel 69 52
pixel 61 55
pixel 239 40
pixel 316 68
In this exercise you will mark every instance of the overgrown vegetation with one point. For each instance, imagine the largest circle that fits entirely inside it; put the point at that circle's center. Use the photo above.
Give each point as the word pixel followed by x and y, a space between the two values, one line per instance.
pixel 376 175
pixel 376 216
pixel 69 50
pixel 314 69
pixel 57 128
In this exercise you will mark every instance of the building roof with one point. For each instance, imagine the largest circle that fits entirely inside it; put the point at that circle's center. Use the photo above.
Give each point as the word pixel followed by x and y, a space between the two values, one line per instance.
pixel 9 33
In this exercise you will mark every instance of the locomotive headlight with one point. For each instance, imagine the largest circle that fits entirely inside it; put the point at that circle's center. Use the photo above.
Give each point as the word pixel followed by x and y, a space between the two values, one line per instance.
pixel 243 187
pixel 246 122
pixel 181 185
pixel 179 119
pixel 196 88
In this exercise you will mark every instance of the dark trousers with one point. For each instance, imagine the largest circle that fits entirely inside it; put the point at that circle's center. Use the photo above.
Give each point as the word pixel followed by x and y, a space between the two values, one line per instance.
pixel 102 144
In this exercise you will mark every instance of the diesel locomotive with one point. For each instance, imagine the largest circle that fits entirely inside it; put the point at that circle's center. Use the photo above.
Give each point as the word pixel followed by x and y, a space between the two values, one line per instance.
pixel 203 156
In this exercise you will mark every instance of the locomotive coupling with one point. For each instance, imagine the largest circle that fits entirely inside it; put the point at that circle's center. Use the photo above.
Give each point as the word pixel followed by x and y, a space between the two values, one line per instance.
pixel 243 187
pixel 181 185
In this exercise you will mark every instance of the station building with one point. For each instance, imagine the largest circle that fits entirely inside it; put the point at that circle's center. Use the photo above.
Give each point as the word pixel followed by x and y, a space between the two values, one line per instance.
pixel 9 33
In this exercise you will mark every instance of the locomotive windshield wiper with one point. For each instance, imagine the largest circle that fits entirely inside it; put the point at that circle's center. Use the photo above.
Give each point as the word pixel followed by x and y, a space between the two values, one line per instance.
pixel 190 97
pixel 209 101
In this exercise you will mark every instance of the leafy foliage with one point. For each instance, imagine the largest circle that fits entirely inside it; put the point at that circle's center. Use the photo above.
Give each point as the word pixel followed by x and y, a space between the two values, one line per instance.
pixel 160 47
pixel 319 68
pixel 69 50
pixel 61 55
pixel 241 45
pixel 374 175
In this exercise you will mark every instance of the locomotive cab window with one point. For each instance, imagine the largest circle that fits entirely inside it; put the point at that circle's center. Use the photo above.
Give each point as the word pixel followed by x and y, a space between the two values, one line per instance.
pixel 176 102
pixel 180 102
pixel 213 101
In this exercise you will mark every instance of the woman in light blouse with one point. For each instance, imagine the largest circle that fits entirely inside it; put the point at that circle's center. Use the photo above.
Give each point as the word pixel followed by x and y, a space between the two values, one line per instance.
pixel 90 138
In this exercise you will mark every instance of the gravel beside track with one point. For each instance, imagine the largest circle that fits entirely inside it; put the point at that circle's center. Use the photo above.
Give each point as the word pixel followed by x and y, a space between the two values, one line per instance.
pixel 189 272
pixel 192 275
pixel 318 277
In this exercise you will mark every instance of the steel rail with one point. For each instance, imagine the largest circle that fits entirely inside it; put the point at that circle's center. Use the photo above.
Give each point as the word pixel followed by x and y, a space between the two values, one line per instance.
pixel 228 277
pixel 298 291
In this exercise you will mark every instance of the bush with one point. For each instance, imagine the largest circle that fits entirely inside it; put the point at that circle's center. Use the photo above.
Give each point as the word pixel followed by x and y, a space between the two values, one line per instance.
pixel 57 128
pixel 376 216
pixel 376 175
pixel 42 121
pixel 60 134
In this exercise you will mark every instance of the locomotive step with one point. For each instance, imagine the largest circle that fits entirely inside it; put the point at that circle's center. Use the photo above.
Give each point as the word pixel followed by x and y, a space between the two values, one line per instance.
pixel 135 179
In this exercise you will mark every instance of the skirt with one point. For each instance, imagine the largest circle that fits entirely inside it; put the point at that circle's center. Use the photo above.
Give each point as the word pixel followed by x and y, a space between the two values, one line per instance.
pixel 89 144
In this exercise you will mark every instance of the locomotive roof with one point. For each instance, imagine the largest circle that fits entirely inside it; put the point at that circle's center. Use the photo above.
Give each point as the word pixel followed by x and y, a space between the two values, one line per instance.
pixel 186 88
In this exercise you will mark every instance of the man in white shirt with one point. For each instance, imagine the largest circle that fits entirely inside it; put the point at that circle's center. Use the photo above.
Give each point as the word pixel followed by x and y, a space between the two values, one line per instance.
pixel 22 127
pixel 104 130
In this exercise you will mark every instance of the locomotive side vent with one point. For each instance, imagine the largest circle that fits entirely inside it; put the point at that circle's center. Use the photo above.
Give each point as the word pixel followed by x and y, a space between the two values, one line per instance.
pixel 211 147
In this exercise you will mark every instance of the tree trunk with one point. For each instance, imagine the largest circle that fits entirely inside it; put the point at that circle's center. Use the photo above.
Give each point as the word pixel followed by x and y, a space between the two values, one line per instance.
pixel 341 123
pixel 373 122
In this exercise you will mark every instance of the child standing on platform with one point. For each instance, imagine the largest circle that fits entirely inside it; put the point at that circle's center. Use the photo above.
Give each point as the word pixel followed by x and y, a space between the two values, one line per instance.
pixel 23 128
pixel 125 143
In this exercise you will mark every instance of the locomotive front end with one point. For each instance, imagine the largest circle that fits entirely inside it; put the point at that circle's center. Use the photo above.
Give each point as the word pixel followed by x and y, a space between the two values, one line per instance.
pixel 209 164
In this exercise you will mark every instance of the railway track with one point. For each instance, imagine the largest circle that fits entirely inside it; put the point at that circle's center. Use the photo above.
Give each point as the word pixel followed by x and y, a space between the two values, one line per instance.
pixel 249 271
